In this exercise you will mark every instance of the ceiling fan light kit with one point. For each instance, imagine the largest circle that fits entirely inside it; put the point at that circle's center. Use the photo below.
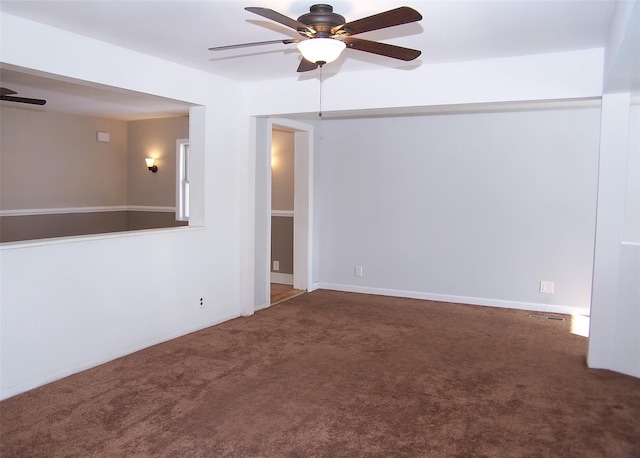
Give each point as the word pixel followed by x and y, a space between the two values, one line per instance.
pixel 326 34
pixel 321 50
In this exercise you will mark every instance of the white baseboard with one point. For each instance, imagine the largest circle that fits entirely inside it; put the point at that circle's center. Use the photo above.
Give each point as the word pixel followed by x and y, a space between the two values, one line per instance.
pixel 530 306
pixel 282 279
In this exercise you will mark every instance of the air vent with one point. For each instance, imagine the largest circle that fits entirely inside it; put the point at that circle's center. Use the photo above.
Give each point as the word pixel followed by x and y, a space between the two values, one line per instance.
pixel 547 317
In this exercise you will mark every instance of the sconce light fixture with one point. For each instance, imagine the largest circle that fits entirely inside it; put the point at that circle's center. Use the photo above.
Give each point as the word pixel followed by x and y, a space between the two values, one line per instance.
pixel 150 164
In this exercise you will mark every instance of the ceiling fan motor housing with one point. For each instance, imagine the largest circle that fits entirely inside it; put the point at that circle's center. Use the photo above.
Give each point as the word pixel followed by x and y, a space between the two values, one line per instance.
pixel 322 19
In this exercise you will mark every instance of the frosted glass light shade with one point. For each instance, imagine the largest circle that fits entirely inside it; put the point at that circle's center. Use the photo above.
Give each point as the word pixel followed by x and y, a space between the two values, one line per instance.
pixel 151 164
pixel 317 50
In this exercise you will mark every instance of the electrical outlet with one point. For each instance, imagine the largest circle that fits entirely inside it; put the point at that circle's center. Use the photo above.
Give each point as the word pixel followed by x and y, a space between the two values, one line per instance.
pixel 547 287
pixel 358 271
pixel 276 266
pixel 202 302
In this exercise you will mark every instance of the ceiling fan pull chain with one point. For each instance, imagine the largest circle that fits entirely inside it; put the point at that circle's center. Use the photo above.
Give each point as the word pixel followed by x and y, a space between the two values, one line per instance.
pixel 320 112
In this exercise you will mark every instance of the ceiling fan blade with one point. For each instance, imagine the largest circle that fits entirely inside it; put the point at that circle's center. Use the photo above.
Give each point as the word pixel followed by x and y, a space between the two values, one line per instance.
pixel 398 16
pixel 280 18
pixel 306 66
pixel 383 49
pixel 5 91
pixel 10 98
pixel 286 41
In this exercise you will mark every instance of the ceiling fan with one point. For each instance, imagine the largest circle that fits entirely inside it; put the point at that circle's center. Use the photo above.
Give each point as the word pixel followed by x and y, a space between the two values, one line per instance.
pixel 9 96
pixel 326 34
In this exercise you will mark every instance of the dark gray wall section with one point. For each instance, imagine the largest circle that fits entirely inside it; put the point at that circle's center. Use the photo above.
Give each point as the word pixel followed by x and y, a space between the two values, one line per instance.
pixel 137 220
pixel 33 227
pixel 282 243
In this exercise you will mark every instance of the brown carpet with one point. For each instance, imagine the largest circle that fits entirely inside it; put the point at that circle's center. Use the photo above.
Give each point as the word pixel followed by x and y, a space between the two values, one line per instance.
pixel 333 374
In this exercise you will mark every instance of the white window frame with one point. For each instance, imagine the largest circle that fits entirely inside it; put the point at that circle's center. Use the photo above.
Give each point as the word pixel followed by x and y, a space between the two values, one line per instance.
pixel 182 179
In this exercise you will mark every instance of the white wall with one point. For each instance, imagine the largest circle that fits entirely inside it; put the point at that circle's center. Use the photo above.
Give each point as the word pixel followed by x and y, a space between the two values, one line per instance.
pixel 475 208
pixel 631 230
pixel 614 338
pixel 257 216
pixel 554 76
pixel 74 303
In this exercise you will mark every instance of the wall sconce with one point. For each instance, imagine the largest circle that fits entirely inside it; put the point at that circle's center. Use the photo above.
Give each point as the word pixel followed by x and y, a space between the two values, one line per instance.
pixel 150 164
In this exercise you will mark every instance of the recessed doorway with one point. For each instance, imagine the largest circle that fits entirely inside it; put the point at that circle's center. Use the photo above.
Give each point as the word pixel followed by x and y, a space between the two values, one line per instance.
pixel 301 213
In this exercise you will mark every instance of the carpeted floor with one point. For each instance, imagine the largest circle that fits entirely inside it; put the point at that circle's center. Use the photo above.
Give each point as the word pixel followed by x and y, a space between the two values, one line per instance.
pixel 331 374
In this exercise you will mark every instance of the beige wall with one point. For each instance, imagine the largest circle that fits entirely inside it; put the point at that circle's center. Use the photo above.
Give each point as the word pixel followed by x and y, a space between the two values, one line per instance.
pixel 154 138
pixel 52 160
pixel 282 152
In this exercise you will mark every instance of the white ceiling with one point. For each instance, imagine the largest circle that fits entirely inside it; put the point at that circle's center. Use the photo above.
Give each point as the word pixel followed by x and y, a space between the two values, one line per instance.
pixel 182 31
pixel 451 30
pixel 80 98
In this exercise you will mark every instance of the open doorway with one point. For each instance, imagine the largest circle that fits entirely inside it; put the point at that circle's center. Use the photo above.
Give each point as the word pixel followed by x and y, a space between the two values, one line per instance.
pixel 297 215
pixel 282 214
pixel 290 231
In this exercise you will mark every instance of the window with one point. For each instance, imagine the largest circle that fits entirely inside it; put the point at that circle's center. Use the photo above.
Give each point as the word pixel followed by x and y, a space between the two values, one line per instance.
pixel 182 180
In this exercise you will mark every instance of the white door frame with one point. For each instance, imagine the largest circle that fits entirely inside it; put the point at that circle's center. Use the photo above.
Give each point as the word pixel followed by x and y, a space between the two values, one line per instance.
pixel 302 203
